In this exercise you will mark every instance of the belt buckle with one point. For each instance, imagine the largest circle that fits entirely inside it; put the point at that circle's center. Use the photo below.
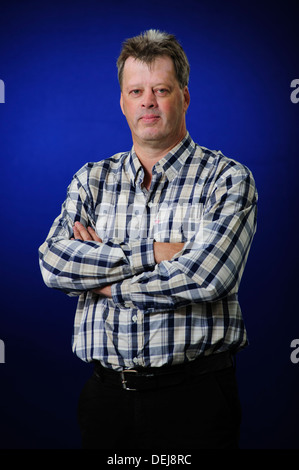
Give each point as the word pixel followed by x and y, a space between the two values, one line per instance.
pixel 124 382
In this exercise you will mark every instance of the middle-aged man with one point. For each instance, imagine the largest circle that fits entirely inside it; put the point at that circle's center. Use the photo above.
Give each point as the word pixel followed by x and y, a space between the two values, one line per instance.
pixel 154 241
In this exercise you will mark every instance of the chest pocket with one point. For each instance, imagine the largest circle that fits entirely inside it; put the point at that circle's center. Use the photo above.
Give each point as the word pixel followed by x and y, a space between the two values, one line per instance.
pixel 176 222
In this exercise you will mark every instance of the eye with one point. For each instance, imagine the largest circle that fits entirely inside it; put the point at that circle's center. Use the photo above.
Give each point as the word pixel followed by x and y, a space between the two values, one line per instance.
pixel 135 92
pixel 161 91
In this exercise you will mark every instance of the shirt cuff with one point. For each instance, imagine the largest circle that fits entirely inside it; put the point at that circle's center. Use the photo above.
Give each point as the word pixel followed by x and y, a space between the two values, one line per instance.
pixel 121 293
pixel 142 255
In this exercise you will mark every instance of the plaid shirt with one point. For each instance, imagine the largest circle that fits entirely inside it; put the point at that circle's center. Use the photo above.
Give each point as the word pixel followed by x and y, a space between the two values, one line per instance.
pixel 164 313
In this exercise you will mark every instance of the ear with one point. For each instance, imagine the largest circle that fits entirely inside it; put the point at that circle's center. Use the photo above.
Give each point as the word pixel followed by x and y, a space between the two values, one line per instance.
pixel 122 103
pixel 186 98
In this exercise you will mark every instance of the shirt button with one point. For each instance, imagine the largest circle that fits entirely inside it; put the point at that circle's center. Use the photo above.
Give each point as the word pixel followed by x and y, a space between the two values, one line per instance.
pixel 135 360
pixel 134 318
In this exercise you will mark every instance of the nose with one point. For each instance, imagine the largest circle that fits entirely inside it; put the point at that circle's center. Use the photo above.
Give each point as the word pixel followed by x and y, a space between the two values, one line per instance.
pixel 149 99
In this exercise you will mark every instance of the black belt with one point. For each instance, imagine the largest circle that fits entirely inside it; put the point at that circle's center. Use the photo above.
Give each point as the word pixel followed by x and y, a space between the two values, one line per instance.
pixel 156 377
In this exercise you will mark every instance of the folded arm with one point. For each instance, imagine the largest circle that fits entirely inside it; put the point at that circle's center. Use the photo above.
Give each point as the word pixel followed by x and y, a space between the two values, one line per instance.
pixel 75 265
pixel 211 264
pixel 162 251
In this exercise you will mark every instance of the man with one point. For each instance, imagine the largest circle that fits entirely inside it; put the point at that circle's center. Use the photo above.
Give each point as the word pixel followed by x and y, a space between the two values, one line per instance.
pixel 154 241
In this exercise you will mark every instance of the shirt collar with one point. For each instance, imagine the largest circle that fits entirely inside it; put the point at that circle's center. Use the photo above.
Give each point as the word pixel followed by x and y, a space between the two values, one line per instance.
pixel 171 164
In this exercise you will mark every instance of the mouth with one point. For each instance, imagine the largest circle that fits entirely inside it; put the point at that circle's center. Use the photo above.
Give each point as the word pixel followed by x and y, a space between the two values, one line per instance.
pixel 149 118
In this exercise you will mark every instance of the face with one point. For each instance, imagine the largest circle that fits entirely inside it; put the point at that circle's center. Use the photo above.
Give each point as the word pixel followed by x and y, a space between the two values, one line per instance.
pixel 153 102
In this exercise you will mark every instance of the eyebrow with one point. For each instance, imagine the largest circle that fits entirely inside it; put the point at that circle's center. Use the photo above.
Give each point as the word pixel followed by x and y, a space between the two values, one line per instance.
pixel 137 85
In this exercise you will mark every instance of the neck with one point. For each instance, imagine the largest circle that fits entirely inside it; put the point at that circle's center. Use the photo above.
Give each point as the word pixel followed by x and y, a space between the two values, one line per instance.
pixel 149 155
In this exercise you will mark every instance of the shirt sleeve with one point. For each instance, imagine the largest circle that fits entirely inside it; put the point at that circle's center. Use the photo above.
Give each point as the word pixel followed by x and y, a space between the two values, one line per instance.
pixel 75 266
pixel 211 264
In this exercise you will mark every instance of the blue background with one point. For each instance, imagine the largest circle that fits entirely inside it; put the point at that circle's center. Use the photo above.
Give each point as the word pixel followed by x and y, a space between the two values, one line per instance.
pixel 57 60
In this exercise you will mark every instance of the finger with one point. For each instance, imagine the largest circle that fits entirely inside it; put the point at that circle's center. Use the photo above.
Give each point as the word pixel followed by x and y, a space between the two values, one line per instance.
pixel 81 232
pixel 93 234
pixel 77 235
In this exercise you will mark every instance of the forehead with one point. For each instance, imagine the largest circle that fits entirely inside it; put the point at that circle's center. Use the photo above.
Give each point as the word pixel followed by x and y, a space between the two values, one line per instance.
pixel 161 68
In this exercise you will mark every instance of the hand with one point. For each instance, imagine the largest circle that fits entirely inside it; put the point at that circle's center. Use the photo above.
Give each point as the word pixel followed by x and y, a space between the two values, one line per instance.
pixel 166 251
pixel 103 291
pixel 85 234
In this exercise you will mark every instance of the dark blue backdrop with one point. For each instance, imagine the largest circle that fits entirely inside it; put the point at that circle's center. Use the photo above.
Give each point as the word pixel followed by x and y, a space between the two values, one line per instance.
pixel 57 60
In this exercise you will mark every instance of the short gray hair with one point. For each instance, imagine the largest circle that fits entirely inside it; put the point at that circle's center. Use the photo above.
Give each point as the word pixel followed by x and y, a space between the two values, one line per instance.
pixel 152 44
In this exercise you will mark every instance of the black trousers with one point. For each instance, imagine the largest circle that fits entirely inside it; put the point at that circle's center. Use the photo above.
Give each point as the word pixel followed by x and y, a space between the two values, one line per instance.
pixel 203 412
